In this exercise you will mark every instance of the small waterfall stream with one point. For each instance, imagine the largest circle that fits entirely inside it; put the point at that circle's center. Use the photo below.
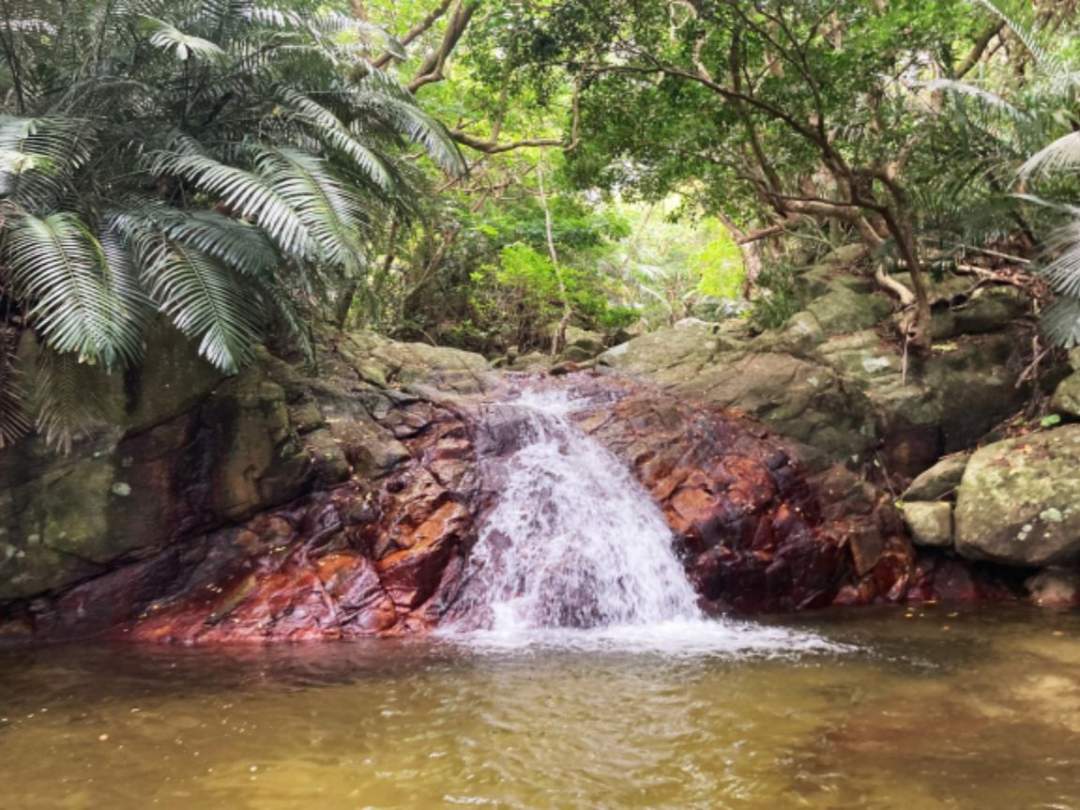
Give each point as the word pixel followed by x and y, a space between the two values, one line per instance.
pixel 575 551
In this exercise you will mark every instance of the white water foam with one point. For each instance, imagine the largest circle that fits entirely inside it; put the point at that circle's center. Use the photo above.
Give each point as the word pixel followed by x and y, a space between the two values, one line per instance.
pixel 576 554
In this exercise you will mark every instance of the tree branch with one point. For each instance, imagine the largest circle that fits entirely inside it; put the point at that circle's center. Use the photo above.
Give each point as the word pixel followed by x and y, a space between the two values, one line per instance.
pixel 432 68
pixel 416 31
pixel 981 44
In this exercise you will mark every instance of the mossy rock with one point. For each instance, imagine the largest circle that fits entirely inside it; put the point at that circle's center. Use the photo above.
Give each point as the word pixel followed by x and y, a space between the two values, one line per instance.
pixel 1019 500
pixel 1066 399
pixel 930 523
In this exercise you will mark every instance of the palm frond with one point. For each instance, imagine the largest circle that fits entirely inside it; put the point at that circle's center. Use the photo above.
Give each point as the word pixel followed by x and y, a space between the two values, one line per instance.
pixel 82 302
pixel 14 422
pixel 1048 61
pixel 237 244
pixel 204 300
pixel 1061 322
pixel 242 192
pixel 328 127
pixel 422 129
pixel 169 38
pixel 62 412
pixel 986 99
pixel 326 207
pixel 1062 154
pixel 350 30
pixel 1063 272
pixel 39 156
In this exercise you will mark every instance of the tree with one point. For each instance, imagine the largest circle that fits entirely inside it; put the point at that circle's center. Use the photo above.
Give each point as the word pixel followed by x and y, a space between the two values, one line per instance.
pixel 777 111
pixel 220 162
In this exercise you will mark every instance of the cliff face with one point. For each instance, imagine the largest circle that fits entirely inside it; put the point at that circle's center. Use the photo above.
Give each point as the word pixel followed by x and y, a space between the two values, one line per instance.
pixel 178 489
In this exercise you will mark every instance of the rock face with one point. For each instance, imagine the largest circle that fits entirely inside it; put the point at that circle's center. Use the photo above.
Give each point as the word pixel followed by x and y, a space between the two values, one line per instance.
pixel 164 515
pixel 749 525
pixel 1019 500
pixel 833 381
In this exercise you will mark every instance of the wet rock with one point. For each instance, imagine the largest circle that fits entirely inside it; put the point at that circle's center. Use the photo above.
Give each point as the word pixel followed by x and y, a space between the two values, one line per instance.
pixel 340 564
pixel 942 579
pixel 1018 500
pixel 750 526
pixel 1055 588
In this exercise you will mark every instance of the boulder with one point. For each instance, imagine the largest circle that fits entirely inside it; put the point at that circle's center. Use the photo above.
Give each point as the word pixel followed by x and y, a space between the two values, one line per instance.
pixel 940 482
pixel 1066 399
pixel 930 523
pixel 1019 500
pixel 1055 588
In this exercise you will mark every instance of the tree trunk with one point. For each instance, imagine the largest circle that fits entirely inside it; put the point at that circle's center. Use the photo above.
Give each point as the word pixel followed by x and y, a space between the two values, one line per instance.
pixel 559 338
pixel 917 322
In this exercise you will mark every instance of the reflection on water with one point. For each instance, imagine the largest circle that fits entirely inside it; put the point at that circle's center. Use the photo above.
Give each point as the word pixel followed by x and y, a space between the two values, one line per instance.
pixel 939 710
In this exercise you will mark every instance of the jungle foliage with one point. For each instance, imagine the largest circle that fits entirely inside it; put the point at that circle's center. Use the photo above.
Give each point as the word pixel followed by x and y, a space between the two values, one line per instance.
pixel 481 172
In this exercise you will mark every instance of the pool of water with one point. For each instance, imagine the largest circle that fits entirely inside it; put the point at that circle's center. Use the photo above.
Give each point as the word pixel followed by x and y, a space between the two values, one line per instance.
pixel 864 709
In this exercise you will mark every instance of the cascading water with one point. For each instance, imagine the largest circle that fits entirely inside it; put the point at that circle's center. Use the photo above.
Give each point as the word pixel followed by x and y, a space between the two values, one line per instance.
pixel 575 551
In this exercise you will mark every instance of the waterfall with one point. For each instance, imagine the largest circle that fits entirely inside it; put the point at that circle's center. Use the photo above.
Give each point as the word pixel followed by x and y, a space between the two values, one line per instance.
pixel 575 549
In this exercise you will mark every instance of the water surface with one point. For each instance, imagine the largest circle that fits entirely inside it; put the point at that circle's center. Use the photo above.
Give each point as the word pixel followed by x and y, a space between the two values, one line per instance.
pixel 864 709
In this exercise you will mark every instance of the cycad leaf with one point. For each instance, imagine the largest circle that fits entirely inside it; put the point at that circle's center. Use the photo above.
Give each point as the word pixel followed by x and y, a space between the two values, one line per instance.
pixel 81 302
pixel 236 243
pixel 986 98
pixel 62 412
pixel 1048 61
pixel 171 39
pixel 38 157
pixel 422 129
pixel 328 128
pixel 1061 322
pixel 1063 272
pixel 204 299
pixel 14 423
pixel 1062 154
pixel 243 192
pixel 326 207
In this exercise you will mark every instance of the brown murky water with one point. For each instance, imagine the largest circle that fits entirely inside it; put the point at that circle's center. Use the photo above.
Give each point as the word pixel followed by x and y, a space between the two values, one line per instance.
pixel 939 710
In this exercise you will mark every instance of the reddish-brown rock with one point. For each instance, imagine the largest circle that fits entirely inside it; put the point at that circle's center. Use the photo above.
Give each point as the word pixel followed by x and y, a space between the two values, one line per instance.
pixel 383 554
pixel 754 533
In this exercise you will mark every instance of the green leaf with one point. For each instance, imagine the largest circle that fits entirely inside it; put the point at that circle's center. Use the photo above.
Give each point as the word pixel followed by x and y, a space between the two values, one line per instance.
pixel 84 298
pixel 171 39
pixel 204 300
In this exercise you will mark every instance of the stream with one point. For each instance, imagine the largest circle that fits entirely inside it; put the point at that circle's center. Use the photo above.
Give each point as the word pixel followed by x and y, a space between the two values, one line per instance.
pixel 912 709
